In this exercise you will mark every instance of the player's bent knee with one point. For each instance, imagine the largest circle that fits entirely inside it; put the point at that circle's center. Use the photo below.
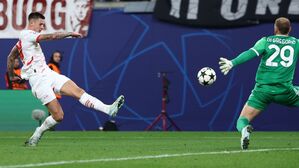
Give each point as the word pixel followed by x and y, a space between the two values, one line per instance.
pixel 249 112
pixel 57 114
pixel 58 117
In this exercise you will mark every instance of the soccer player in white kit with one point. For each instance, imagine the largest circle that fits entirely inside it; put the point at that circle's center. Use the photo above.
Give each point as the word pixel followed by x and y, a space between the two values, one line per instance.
pixel 44 82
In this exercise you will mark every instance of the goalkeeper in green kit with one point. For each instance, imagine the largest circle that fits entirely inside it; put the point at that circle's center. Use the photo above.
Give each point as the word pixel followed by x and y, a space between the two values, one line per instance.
pixel 274 77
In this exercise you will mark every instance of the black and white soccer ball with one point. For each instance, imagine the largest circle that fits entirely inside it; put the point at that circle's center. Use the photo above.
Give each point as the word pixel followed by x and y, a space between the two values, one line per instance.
pixel 206 76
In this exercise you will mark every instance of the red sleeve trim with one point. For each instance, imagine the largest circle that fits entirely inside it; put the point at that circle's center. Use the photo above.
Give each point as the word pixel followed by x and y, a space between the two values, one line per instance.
pixel 19 47
pixel 28 63
pixel 37 39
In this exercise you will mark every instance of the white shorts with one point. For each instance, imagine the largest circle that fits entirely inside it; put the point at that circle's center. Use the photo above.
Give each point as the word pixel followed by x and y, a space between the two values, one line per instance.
pixel 45 85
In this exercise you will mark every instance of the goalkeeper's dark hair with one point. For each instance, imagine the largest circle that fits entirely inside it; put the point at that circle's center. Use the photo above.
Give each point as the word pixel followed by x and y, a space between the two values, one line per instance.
pixel 283 25
pixel 35 15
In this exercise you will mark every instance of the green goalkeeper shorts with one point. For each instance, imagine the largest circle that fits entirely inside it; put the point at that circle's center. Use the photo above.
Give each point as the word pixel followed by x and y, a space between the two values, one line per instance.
pixel 261 97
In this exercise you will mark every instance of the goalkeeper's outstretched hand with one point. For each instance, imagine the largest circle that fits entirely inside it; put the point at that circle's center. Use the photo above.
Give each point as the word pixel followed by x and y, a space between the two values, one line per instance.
pixel 225 65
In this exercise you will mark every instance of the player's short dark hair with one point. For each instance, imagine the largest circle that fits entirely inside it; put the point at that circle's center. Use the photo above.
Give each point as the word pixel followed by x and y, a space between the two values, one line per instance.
pixel 35 15
pixel 283 25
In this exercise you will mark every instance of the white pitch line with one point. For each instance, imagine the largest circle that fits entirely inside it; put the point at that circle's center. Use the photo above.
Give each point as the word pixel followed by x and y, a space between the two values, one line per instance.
pixel 198 138
pixel 144 157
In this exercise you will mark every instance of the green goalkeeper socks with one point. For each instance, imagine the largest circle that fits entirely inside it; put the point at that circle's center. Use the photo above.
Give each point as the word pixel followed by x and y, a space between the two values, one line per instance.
pixel 241 123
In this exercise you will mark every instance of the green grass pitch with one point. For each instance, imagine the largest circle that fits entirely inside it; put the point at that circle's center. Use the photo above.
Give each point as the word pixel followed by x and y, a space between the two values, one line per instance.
pixel 150 150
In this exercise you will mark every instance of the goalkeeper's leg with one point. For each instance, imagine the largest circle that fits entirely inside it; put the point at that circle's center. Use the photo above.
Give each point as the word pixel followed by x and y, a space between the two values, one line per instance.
pixel 248 114
pixel 257 102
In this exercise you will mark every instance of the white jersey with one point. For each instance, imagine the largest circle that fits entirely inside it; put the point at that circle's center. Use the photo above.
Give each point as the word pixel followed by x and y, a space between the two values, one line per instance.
pixel 31 54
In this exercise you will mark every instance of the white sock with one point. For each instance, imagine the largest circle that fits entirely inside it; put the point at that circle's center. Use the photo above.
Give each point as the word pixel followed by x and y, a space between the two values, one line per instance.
pixel 47 124
pixel 92 102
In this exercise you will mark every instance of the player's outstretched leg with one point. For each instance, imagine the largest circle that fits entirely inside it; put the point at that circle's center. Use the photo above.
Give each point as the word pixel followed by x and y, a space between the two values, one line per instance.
pixel 71 89
pixel 118 103
pixel 39 131
pixel 92 102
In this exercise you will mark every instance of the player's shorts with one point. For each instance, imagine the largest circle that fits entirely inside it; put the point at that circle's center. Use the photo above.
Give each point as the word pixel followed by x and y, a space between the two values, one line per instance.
pixel 260 99
pixel 44 86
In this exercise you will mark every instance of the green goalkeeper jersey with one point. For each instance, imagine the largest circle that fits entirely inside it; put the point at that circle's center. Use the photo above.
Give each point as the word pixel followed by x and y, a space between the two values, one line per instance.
pixel 279 55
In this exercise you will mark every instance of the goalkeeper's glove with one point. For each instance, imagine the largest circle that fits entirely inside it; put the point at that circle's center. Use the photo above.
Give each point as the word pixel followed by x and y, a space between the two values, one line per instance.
pixel 225 65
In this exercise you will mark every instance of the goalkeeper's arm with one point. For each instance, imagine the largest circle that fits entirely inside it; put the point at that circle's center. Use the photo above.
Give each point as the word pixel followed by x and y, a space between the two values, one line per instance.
pixel 244 57
pixel 226 65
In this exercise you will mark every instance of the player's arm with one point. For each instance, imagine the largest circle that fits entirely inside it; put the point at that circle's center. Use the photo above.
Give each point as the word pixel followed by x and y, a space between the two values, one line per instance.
pixel 244 57
pixel 14 53
pixel 57 35
pixel 226 65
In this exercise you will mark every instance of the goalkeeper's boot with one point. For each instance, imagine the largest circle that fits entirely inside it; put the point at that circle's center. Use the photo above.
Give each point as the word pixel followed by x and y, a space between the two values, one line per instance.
pixel 34 139
pixel 246 131
pixel 116 105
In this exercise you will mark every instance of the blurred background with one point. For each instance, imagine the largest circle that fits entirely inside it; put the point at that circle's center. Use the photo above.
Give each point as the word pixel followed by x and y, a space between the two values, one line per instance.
pixel 128 44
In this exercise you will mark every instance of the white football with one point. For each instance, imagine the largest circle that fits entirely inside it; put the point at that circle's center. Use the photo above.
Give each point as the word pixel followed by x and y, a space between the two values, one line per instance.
pixel 206 76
